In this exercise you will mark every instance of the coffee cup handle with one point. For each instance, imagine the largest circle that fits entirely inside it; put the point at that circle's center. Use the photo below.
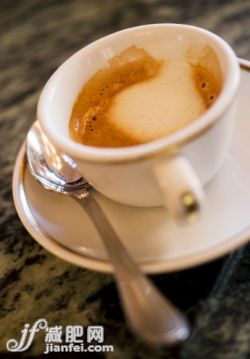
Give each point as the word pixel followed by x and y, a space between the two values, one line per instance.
pixel 182 191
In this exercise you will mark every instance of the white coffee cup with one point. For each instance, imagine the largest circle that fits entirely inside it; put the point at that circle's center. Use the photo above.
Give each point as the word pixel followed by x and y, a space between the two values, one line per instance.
pixel 171 171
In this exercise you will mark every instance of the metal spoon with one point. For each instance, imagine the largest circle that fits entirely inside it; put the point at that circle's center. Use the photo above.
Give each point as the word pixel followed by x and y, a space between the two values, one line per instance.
pixel 149 314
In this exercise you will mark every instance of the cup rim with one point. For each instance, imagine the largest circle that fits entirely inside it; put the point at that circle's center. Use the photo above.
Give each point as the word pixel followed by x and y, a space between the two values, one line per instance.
pixel 164 144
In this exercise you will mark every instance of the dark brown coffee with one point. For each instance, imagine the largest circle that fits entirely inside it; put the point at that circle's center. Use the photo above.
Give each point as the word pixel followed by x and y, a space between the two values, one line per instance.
pixel 138 98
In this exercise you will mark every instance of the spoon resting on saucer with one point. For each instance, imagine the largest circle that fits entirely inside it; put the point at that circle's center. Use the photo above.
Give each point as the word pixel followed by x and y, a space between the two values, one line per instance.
pixel 150 315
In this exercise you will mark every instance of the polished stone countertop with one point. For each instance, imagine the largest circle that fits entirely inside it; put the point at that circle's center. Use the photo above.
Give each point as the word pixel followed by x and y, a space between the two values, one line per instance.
pixel 36 37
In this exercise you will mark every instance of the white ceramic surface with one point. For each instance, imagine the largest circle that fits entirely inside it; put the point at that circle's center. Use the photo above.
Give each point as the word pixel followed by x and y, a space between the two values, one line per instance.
pixel 131 181
pixel 154 240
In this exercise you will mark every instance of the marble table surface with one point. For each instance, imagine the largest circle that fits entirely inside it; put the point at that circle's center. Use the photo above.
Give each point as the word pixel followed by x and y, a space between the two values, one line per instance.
pixel 37 36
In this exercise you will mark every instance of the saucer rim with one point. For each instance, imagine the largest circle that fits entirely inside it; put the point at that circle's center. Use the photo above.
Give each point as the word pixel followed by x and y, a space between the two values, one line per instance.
pixel 100 265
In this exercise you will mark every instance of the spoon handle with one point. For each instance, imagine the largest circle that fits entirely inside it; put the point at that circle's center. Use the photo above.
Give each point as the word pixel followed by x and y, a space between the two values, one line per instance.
pixel 150 315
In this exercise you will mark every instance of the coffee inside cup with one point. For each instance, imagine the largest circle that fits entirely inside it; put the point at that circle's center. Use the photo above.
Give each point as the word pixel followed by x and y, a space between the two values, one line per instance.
pixel 145 94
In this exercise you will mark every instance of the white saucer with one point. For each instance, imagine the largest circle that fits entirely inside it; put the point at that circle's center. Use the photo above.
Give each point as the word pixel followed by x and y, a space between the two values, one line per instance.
pixel 155 242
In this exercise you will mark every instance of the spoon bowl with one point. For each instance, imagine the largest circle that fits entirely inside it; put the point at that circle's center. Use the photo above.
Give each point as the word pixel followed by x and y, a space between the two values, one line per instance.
pixel 54 170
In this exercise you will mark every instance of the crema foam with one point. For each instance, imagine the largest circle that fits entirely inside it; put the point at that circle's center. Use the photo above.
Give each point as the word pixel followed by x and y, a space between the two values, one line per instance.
pixel 145 94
